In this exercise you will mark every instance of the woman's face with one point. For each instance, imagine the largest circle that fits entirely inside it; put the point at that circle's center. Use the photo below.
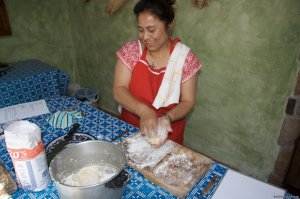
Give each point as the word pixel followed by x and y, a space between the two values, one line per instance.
pixel 152 31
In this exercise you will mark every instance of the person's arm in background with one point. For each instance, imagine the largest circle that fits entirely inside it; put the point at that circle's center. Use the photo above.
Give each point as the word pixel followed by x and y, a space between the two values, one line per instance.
pixel 148 118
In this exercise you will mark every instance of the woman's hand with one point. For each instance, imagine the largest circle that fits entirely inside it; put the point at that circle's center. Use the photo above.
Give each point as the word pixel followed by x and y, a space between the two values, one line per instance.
pixel 163 129
pixel 148 122
pixel 164 122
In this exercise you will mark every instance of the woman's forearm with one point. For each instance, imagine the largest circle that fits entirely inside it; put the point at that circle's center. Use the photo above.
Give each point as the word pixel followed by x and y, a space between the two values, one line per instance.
pixel 180 111
pixel 126 100
pixel 121 90
pixel 148 118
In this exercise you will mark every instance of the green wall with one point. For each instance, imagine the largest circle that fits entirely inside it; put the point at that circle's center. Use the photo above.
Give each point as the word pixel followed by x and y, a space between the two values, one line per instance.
pixel 40 30
pixel 249 49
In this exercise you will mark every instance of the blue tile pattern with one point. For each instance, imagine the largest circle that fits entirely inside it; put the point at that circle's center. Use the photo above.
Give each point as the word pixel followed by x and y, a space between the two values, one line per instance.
pixel 99 125
pixel 31 80
pixel 290 196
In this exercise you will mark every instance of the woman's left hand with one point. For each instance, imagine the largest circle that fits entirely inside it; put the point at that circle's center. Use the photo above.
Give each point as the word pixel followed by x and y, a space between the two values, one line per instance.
pixel 163 129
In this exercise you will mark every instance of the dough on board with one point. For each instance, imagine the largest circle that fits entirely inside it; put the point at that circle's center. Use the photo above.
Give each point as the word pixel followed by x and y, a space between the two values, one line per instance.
pixel 152 140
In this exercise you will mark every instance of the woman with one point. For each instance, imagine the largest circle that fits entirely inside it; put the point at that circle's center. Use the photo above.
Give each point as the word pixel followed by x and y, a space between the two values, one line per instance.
pixel 140 70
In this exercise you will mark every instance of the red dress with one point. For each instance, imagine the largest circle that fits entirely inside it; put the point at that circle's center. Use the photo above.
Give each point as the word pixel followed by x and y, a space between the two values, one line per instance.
pixel 145 83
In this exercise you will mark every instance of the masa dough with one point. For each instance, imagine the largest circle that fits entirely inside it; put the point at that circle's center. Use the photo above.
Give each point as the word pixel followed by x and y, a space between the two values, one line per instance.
pixel 90 175
pixel 162 134
pixel 152 140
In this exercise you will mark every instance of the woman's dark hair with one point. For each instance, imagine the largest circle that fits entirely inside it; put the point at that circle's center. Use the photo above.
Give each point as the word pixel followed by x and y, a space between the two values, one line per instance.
pixel 163 9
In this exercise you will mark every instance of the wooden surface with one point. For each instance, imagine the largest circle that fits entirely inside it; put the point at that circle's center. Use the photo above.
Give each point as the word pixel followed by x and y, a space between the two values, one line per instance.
pixel 181 167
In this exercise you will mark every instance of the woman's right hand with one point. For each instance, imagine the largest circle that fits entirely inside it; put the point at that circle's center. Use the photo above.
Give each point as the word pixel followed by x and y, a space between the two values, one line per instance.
pixel 148 122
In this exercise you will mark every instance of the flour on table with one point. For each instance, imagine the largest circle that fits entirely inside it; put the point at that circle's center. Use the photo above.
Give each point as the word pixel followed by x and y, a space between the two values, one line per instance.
pixel 90 175
pixel 140 152
pixel 177 169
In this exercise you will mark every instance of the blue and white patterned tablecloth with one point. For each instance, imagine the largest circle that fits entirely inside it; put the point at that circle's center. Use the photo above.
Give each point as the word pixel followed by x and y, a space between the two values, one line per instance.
pixel 31 80
pixel 99 125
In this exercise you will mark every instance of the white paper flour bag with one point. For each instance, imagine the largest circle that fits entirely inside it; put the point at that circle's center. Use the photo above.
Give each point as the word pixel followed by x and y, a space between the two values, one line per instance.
pixel 27 151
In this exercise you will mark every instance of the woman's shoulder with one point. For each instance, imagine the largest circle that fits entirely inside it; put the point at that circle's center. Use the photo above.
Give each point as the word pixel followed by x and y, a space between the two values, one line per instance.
pixel 191 65
pixel 191 56
pixel 129 53
pixel 131 45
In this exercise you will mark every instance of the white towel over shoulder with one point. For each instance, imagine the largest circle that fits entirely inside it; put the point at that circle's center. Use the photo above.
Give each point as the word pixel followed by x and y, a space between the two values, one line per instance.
pixel 169 91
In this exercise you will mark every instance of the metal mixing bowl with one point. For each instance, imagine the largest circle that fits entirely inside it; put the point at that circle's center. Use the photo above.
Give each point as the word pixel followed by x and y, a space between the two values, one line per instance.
pixel 77 156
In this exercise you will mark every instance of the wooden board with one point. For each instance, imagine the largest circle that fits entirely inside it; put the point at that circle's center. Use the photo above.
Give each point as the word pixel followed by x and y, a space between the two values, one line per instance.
pixel 172 166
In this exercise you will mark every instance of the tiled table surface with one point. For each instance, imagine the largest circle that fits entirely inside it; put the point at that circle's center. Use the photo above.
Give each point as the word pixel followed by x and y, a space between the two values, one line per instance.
pixel 100 126
pixel 31 80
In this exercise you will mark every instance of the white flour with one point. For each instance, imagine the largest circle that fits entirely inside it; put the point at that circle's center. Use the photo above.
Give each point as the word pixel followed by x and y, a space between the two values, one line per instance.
pixel 142 154
pixel 177 170
pixel 2 185
pixel 90 175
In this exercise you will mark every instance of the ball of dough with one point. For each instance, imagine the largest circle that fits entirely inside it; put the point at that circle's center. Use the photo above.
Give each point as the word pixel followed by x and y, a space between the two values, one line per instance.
pixel 153 140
